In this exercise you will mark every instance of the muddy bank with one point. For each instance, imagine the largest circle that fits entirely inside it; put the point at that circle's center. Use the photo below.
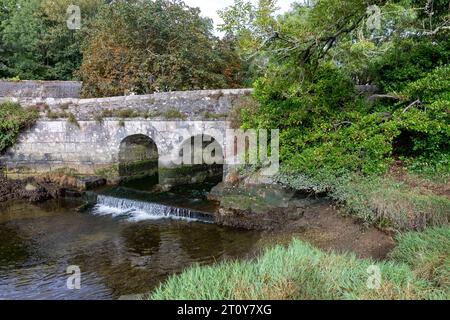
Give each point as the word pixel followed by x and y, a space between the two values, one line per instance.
pixel 260 205
pixel 28 189
pixel 283 214
pixel 43 188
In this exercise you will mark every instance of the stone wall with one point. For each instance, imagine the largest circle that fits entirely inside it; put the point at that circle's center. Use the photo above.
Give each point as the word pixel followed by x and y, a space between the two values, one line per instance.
pixel 192 104
pixel 40 89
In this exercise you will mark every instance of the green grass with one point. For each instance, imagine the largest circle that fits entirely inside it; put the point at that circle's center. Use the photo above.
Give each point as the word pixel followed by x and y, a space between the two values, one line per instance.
pixel 72 120
pixel 300 272
pixel 377 200
pixel 126 113
pixel 428 253
pixel 174 114
pixel 391 204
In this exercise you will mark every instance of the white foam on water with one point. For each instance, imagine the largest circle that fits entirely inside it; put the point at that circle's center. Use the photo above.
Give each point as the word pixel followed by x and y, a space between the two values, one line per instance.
pixel 134 210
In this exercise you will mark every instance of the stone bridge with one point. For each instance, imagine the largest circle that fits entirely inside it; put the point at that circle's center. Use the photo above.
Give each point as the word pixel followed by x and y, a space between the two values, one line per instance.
pixel 123 136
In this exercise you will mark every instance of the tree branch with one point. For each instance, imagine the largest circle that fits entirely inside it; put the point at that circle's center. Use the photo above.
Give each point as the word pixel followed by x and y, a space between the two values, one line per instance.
pixel 412 104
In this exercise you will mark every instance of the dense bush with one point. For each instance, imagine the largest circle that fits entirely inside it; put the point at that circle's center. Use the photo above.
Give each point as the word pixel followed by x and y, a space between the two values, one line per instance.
pixel 407 61
pixel 13 119
pixel 325 126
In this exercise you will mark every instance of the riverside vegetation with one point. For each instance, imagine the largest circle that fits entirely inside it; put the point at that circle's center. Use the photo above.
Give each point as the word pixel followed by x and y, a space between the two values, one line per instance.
pixel 383 156
pixel 13 119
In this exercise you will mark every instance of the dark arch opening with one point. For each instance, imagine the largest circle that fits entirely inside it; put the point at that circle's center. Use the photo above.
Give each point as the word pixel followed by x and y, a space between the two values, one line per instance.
pixel 205 161
pixel 203 142
pixel 138 157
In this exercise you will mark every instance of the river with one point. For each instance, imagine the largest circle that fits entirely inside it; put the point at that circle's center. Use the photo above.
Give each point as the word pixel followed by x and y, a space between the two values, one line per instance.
pixel 127 243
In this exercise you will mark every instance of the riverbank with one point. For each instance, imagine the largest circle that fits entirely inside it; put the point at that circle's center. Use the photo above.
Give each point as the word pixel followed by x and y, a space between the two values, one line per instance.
pixel 28 189
pixel 300 271
pixel 327 257
pixel 317 238
pixel 257 203
pixel 45 187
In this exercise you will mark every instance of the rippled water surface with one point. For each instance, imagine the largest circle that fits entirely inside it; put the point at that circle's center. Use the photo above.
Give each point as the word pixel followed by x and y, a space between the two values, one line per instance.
pixel 117 255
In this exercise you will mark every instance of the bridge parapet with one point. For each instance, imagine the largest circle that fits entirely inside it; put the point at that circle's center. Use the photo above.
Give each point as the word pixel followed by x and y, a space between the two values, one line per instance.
pixel 192 105
pixel 31 89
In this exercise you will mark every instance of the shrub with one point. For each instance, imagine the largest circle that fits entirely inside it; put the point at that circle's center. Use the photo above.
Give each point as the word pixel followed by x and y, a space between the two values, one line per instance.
pixel 423 123
pixel 13 119
pixel 73 120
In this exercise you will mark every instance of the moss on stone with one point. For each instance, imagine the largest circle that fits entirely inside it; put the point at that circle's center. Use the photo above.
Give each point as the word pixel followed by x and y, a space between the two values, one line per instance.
pixel 110 172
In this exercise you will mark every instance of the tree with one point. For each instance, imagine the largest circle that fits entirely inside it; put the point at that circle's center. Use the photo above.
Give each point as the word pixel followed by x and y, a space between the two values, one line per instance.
pixel 35 40
pixel 146 46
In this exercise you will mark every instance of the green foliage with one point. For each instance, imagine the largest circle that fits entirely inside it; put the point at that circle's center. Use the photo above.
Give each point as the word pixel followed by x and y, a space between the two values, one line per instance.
pixel 13 119
pixel 407 60
pixel 122 46
pixel 300 272
pixel 324 124
pixel 35 42
pixel 424 123
pixel 316 54
pixel 73 120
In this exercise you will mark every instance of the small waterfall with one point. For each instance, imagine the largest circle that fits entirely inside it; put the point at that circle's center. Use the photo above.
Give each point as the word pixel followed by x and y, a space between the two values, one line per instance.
pixel 139 210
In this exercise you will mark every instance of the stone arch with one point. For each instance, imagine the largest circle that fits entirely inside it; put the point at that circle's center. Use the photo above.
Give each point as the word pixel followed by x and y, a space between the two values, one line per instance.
pixel 138 157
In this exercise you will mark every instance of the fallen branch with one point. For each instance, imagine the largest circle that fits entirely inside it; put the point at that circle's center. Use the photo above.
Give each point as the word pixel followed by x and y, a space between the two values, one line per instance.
pixel 337 125
pixel 412 104
pixel 383 96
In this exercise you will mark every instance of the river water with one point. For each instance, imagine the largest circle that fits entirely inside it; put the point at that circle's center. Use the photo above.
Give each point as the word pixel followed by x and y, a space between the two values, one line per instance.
pixel 127 243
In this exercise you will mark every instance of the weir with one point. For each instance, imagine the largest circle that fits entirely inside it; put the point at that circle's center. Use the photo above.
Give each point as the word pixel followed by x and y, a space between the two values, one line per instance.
pixel 140 210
